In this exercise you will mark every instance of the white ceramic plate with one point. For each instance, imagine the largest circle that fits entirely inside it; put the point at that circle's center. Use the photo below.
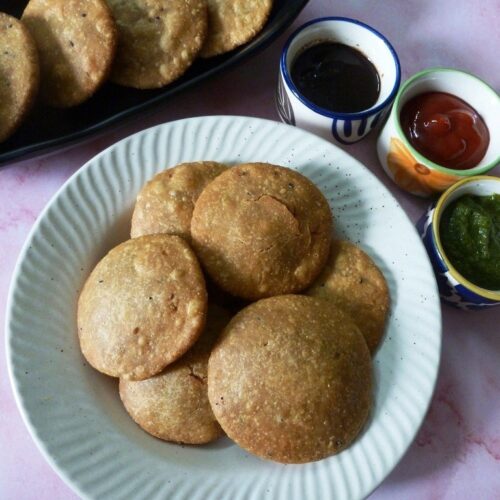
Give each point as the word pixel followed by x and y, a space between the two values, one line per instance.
pixel 74 413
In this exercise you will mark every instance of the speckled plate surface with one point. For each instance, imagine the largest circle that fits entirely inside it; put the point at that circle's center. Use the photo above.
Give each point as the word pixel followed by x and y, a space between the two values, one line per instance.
pixel 74 413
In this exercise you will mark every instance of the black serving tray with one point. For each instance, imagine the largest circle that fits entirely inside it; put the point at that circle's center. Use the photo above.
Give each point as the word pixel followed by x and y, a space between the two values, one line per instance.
pixel 47 129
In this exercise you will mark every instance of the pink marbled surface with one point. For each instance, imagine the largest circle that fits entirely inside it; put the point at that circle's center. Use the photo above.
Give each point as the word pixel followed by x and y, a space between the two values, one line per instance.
pixel 457 451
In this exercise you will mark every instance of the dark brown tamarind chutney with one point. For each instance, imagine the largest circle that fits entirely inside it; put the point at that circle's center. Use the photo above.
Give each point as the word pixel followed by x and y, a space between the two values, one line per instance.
pixel 336 77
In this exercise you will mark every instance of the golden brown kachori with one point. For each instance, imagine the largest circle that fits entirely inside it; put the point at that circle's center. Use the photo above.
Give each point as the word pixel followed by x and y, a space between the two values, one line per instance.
pixel 165 203
pixel 19 74
pixel 232 23
pixel 261 230
pixel 158 40
pixel 142 307
pixel 290 379
pixel 174 404
pixel 353 281
pixel 76 41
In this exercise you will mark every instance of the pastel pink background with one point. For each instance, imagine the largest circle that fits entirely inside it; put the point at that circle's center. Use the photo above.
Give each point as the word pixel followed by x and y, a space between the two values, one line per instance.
pixel 457 451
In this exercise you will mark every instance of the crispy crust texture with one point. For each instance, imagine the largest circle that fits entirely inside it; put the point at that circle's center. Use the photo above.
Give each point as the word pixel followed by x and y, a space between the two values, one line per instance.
pixel 291 380
pixel 19 74
pixel 174 404
pixel 165 204
pixel 142 307
pixel 76 41
pixel 232 23
pixel 158 40
pixel 262 230
pixel 353 282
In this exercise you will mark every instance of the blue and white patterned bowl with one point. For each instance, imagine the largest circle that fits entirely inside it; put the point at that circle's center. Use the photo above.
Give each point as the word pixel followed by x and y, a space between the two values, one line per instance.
pixel 343 128
pixel 453 287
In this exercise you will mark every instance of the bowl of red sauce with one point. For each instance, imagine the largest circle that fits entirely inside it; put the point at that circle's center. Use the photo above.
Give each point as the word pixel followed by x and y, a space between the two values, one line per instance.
pixel 443 127
pixel 461 233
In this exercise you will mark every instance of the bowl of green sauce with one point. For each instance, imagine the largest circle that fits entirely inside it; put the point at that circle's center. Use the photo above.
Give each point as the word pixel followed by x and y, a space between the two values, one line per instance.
pixel 461 232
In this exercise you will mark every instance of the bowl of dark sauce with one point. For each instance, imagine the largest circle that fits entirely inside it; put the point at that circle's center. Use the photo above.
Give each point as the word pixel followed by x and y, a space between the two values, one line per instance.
pixel 338 78
pixel 461 233
pixel 443 128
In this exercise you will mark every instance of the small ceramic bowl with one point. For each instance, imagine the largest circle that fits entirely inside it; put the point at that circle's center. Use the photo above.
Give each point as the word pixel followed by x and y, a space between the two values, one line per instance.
pixel 404 164
pixel 453 287
pixel 343 128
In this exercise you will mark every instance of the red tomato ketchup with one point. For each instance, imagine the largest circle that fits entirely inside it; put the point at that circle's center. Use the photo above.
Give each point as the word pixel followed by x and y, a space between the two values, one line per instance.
pixel 445 129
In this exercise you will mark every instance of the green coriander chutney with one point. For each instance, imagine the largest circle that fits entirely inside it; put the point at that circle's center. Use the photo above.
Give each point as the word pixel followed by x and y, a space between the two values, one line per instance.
pixel 470 236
